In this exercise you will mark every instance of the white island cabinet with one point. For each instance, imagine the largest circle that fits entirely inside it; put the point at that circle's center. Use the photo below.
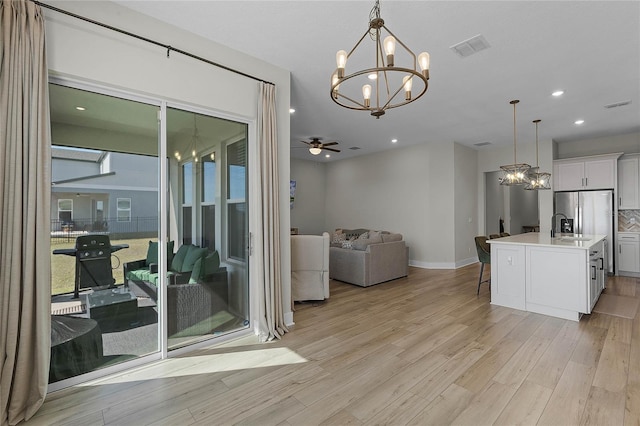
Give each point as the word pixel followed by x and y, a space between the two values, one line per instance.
pixel 562 277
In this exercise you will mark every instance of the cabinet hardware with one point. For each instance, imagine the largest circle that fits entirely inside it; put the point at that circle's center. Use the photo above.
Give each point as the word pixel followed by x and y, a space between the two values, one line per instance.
pixel 593 272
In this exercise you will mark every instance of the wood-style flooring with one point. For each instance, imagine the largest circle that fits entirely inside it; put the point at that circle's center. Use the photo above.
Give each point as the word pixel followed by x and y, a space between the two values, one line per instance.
pixel 423 350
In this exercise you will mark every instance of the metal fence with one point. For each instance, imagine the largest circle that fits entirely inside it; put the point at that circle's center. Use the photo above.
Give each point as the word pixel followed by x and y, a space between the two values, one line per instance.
pixel 66 231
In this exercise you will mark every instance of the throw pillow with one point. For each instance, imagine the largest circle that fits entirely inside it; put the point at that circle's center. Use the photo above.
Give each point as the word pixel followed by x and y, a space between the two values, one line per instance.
pixel 390 238
pixel 152 252
pixel 347 244
pixel 338 237
pixel 374 234
pixel 178 259
pixel 192 256
pixel 362 244
pixel 364 236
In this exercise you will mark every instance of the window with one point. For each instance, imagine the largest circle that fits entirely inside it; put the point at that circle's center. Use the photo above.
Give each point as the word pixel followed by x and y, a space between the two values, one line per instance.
pixel 187 203
pixel 236 203
pixel 208 204
pixel 124 209
pixel 65 210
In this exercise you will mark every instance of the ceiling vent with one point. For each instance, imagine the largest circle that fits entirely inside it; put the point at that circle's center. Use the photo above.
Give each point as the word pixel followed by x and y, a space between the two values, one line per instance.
pixel 354 148
pixel 470 46
pixel 618 104
pixel 482 144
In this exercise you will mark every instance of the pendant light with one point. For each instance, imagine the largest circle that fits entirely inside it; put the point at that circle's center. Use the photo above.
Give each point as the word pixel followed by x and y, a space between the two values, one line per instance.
pixel 516 173
pixel 538 180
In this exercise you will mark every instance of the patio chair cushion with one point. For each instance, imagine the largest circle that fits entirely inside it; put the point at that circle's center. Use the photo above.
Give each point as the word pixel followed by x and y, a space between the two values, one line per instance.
pixel 178 258
pixel 152 252
pixel 205 266
pixel 193 255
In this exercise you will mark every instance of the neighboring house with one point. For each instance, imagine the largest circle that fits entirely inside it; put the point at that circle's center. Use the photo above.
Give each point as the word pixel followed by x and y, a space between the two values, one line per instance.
pixel 100 191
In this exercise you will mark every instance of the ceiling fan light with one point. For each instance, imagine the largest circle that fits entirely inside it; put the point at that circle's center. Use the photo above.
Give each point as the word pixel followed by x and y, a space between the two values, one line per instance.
pixel 315 151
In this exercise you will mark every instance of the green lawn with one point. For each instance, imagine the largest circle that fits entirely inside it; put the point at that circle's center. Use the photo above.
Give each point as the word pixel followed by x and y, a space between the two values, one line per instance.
pixel 63 267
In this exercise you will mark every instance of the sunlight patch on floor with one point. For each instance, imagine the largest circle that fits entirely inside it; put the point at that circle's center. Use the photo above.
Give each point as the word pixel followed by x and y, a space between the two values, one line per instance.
pixel 205 364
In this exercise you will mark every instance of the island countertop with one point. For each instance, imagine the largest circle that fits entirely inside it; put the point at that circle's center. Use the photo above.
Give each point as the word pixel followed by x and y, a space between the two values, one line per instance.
pixel 578 241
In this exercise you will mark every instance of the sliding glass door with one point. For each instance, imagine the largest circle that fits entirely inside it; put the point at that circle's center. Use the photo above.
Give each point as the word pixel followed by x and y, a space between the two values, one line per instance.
pixel 104 217
pixel 122 254
pixel 208 278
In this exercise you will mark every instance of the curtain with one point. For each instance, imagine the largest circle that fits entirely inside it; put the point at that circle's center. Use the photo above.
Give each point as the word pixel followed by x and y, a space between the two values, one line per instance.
pixel 272 313
pixel 25 193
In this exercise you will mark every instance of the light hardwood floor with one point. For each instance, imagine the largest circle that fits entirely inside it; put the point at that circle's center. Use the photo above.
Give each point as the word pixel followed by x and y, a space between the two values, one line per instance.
pixel 420 350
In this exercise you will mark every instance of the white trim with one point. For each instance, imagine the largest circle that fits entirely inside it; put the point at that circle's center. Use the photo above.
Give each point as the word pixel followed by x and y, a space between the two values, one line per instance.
pixel 104 187
pixel 443 265
pixel 288 319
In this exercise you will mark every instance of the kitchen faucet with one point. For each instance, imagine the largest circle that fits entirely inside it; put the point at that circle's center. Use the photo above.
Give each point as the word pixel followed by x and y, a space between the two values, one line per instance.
pixel 553 224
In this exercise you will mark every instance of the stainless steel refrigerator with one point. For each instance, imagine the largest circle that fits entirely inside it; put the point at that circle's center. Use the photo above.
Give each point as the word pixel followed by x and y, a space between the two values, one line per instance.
pixel 589 212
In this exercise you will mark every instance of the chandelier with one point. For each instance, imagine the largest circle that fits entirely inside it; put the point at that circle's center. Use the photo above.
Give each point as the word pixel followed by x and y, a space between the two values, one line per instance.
pixel 538 180
pixel 191 151
pixel 383 82
pixel 516 173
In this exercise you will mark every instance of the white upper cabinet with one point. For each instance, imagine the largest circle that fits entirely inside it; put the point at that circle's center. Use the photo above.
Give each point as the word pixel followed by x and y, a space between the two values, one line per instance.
pixel 585 173
pixel 628 182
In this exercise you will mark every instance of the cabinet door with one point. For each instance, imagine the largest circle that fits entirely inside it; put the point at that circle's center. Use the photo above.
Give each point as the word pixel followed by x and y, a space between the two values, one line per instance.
pixel 628 255
pixel 599 174
pixel 569 176
pixel 628 183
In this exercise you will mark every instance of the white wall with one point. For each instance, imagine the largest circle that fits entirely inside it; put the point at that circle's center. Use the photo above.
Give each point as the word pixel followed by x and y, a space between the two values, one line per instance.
pixel 86 52
pixel 408 190
pixel 308 212
pixel 466 204
pixel 627 143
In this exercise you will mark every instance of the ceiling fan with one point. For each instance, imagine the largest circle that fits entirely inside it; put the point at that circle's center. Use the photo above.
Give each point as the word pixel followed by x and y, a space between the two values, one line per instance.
pixel 316 147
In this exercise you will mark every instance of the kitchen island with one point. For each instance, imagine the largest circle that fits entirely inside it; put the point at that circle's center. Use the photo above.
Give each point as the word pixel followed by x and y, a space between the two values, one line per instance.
pixel 561 276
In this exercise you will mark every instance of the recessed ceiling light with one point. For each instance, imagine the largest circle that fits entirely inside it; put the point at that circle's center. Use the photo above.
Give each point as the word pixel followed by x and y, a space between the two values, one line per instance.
pixel 327 155
pixel 579 122
pixel 79 108
pixel 394 140
pixel 558 93
pixel 292 110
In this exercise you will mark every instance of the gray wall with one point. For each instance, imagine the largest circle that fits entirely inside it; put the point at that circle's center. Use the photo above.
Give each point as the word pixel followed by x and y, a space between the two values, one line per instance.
pixel 308 212
pixel 627 143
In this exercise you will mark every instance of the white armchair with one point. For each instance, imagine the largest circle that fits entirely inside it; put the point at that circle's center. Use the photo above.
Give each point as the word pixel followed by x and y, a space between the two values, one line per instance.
pixel 310 267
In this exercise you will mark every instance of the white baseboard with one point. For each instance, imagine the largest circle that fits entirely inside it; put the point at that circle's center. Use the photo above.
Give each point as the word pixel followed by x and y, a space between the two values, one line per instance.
pixel 443 265
pixel 288 319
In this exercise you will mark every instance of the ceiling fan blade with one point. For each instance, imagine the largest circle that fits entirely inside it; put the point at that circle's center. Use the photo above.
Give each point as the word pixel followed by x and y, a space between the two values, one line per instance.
pixel 308 143
pixel 330 143
pixel 331 149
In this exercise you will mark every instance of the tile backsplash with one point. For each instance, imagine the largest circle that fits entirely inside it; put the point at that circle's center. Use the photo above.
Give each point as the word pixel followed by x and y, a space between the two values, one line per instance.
pixel 629 220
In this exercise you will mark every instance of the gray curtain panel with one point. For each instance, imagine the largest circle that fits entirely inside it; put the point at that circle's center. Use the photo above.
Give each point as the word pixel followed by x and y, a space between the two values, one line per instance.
pixel 272 315
pixel 25 197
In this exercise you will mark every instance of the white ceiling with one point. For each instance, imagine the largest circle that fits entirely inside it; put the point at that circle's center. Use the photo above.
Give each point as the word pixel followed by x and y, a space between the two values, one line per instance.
pixel 589 49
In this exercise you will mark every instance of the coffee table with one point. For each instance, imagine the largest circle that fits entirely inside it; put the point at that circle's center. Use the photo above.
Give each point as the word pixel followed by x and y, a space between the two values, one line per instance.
pixel 111 303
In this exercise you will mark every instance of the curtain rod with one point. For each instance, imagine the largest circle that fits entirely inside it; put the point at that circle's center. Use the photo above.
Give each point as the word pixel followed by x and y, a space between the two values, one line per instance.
pixel 148 40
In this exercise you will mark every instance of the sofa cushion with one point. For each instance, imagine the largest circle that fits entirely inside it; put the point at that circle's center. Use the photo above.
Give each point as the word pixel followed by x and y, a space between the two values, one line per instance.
pixel 390 238
pixel 192 257
pixel 363 243
pixel 178 259
pixel 205 266
pixel 152 252
pixel 374 234
pixel 337 238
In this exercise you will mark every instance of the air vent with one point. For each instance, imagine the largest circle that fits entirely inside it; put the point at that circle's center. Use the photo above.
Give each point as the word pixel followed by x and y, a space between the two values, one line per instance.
pixel 618 104
pixel 470 46
pixel 354 148
pixel 482 144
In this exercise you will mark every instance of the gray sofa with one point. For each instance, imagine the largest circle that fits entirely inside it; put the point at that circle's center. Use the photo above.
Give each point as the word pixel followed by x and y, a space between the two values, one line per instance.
pixel 368 261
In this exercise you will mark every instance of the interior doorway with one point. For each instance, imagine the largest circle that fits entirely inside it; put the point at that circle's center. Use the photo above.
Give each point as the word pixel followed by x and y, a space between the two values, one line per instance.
pixel 511 209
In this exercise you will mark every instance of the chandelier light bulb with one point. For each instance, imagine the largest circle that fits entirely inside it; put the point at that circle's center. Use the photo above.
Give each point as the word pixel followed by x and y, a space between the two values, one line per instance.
pixel 334 80
pixel 193 153
pixel 341 60
pixel 407 81
pixel 366 94
pixel 390 49
pixel 423 61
